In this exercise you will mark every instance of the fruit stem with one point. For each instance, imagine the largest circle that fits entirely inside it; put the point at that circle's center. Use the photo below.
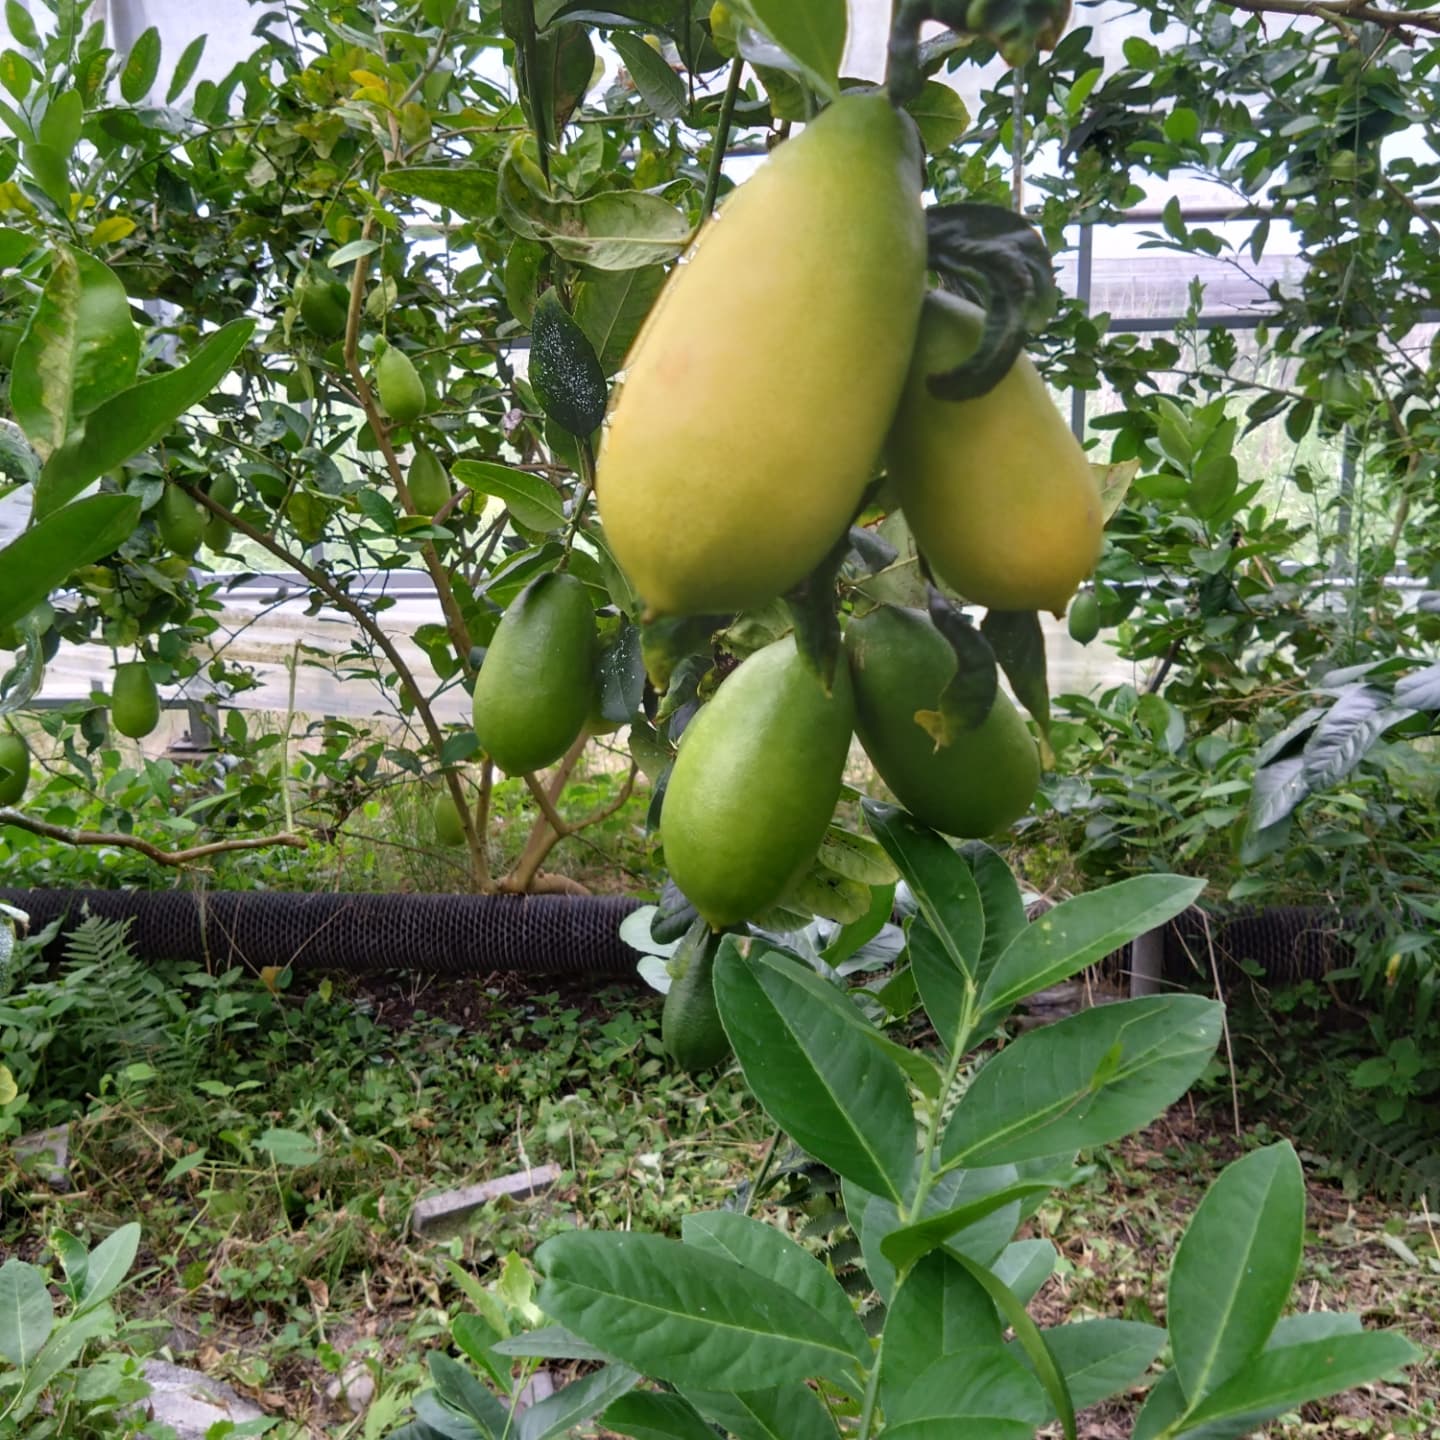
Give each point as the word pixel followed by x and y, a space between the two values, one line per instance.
pixel 872 1390
pixel 587 488
pixel 764 1172
pixel 722 139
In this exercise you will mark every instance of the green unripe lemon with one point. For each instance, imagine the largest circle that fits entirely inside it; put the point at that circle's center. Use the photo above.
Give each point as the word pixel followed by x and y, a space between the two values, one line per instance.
pixel 180 521
pixel 402 392
pixel 1083 620
pixel 449 830
pixel 534 690
pixel 14 768
pixel 429 483
pixel 690 1028
pixel 223 491
pixel 984 779
pixel 323 306
pixel 747 428
pixel 134 701
pixel 999 495
pixel 755 783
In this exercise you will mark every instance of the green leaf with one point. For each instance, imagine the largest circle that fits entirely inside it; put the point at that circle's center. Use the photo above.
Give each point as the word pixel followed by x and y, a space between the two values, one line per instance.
pixel 1083 1081
pixel 846 1104
pixel 565 372
pixel 782 1412
pixel 468 192
pixel 941 882
pixel 439 1419
pixel 60 1351
pixel 611 306
pixel 939 1310
pixel 576 1403
pixel 764 1250
pixel 289 1147
pixel 1019 645
pixel 137 418
pixel 1235 1267
pixel 659 86
pixel 652 1415
pixel 1000 901
pixel 462 1391
pixel 1291 1375
pixel 1099 1358
pixel 79 349
pixel 613 230
pixel 1080 931
pixel 910 1242
pixel 109 1263
pixel 17 74
pixel 682 1315
pixel 32 565
pixel 26 1312
pixel 60 129
pixel 1024 1266
pixel 986 1386
pixel 811 32
pixel 141 66
pixel 550 1342
pixel 189 59
pixel 1029 1339
pixel 533 502
pixel 21 26
pixel 940 114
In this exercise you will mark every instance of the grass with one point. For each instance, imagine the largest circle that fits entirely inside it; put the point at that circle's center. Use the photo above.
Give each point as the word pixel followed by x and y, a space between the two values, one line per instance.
pixel 272 1143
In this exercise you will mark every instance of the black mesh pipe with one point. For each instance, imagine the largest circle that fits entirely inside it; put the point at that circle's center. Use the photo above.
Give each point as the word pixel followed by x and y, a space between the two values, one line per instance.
pixel 358 934
pixel 1288 943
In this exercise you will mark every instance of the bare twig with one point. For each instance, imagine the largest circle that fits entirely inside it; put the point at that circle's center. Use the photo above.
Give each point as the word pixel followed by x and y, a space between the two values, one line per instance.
pixel 1343 13
pixel 153 852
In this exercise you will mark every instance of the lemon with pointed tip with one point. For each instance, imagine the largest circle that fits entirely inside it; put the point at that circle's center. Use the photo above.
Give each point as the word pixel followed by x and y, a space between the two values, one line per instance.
pixel 998 493
pixel 134 701
pixel 14 768
pixel 402 392
pixel 757 394
pixel 449 828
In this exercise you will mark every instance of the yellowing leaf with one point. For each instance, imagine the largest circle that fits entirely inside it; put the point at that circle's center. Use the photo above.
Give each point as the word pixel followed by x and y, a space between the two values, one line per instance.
pixel 112 228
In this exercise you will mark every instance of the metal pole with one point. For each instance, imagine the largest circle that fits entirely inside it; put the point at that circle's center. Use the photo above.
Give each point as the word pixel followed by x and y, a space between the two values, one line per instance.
pixel 1084 272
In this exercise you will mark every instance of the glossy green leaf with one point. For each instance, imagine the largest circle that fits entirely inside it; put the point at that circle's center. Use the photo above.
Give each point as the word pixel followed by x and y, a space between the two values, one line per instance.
pixel 782 1412
pixel 533 502
pixel 463 1392
pixel 1083 1081
pixel 940 1310
pixel 141 66
pixel 27 1313
pixel 1099 1358
pixel 845 1103
pixel 1290 1375
pixel 577 1402
pixel 653 1415
pixel 1080 931
pixel 659 86
pixel 1019 645
pixel 811 32
pixel 1001 902
pixel 908 1243
pixel 138 418
pixel 611 306
pixel 438 1418
pixel 1029 1339
pixel 941 882
pixel 875 1218
pixel 79 349
pixel 980 1385
pixel 682 1315
pixel 1235 1267
pixel 32 565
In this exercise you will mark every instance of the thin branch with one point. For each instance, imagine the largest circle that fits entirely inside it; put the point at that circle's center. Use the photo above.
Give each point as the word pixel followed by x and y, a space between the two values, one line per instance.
pixel 1339 12
pixel 130 842
pixel 722 138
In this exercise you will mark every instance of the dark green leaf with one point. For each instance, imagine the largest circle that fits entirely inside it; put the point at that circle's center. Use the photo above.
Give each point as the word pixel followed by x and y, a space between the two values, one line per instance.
pixel 651 1415
pixel 970 695
pixel 33 564
pixel 533 502
pixel 1000 901
pixel 463 1393
pixel 1235 1267
pixel 1019 645
pixel 1099 1358
pixel 789 1412
pixel 189 59
pixel 1082 1081
pixel 844 1103
pixel 985 1386
pixel 577 1402
pixel 659 86
pixel 138 418
pixel 1082 930
pixel 682 1315
pixel 564 370
pixel 941 115
pixel 141 66
pixel 611 306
